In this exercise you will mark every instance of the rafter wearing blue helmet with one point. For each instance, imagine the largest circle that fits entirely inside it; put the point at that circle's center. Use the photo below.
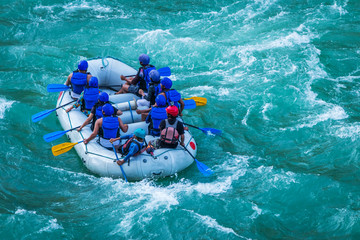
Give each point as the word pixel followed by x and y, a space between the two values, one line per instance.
pixel 78 79
pixel 141 80
pixel 88 97
pixel 149 98
pixel 96 111
pixel 110 126
pixel 156 115
pixel 172 96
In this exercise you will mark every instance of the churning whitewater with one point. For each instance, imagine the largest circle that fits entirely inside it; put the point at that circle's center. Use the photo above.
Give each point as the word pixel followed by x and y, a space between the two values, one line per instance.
pixel 281 79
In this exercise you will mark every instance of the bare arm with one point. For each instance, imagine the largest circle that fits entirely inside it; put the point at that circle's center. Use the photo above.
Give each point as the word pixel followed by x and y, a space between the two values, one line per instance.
pixel 89 77
pixel 128 80
pixel 182 143
pixel 95 132
pixel 68 80
pixel 123 127
pixel 182 105
pixel 87 121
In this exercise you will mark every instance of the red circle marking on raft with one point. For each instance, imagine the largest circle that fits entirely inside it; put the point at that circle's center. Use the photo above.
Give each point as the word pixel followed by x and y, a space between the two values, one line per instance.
pixel 192 145
pixel 60 95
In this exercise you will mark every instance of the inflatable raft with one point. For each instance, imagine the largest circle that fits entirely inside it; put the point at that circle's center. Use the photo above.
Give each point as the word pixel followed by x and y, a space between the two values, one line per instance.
pixel 101 161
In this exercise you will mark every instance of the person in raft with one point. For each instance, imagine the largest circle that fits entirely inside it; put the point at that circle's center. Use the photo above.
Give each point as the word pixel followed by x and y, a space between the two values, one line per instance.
pixel 141 79
pixel 88 97
pixel 149 98
pixel 78 79
pixel 156 115
pixel 96 111
pixel 132 146
pixel 107 127
pixel 172 96
pixel 171 128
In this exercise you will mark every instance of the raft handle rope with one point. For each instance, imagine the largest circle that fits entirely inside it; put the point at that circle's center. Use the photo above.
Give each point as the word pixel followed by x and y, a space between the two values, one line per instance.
pixel 132 117
pixel 103 63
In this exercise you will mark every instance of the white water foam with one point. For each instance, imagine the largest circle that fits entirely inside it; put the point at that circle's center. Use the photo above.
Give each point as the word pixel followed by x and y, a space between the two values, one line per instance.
pixel 154 36
pixel 244 121
pixel 334 113
pixel 339 8
pixel 52 225
pixel 266 107
pixel 212 223
pixel 351 131
pixel 21 211
pixel 83 5
pixel 4 105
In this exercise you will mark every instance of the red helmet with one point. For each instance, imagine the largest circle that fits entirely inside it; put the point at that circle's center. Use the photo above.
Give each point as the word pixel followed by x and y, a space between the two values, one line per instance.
pixel 172 110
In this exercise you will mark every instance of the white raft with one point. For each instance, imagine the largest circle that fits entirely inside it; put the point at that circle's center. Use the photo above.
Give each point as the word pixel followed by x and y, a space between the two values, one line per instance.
pixel 99 160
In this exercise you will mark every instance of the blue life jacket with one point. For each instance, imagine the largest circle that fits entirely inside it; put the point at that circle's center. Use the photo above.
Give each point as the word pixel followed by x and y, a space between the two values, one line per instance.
pixel 146 70
pixel 157 114
pixel 98 113
pixel 173 96
pixel 157 89
pixel 110 127
pixel 78 82
pixel 90 97
pixel 125 148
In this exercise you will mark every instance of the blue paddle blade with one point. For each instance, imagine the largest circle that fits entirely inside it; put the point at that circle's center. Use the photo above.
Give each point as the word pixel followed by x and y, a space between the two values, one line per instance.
pixel 41 115
pixel 190 104
pixel 209 131
pixel 205 170
pixel 165 71
pixel 53 136
pixel 57 87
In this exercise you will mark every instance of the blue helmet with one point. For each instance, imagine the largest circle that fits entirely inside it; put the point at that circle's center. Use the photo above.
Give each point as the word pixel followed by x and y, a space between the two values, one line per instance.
pixel 93 82
pixel 103 97
pixel 154 76
pixel 166 82
pixel 145 59
pixel 160 100
pixel 108 109
pixel 83 65
pixel 140 133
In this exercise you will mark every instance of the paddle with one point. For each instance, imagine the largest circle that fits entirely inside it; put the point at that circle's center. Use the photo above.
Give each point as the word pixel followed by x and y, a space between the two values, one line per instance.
pixel 189 104
pixel 55 135
pixel 41 115
pixel 206 130
pixel 200 101
pixel 57 87
pixel 63 148
pixel 205 170
pixel 122 170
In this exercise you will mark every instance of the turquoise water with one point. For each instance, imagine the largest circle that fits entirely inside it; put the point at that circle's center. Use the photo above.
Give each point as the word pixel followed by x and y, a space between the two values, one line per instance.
pixel 282 82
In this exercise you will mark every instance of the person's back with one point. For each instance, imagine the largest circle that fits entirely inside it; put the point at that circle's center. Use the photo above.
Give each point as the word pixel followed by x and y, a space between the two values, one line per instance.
pixel 78 79
pixel 154 87
pixel 171 129
pixel 173 97
pixel 141 80
pixel 133 145
pixel 157 114
pixel 91 94
pixel 110 126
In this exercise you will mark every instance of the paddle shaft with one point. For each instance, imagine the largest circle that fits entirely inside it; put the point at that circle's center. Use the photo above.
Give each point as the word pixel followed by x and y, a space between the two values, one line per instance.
pixel 52 136
pixel 64 105
pixel 189 152
pixel 117 158
pixel 192 126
